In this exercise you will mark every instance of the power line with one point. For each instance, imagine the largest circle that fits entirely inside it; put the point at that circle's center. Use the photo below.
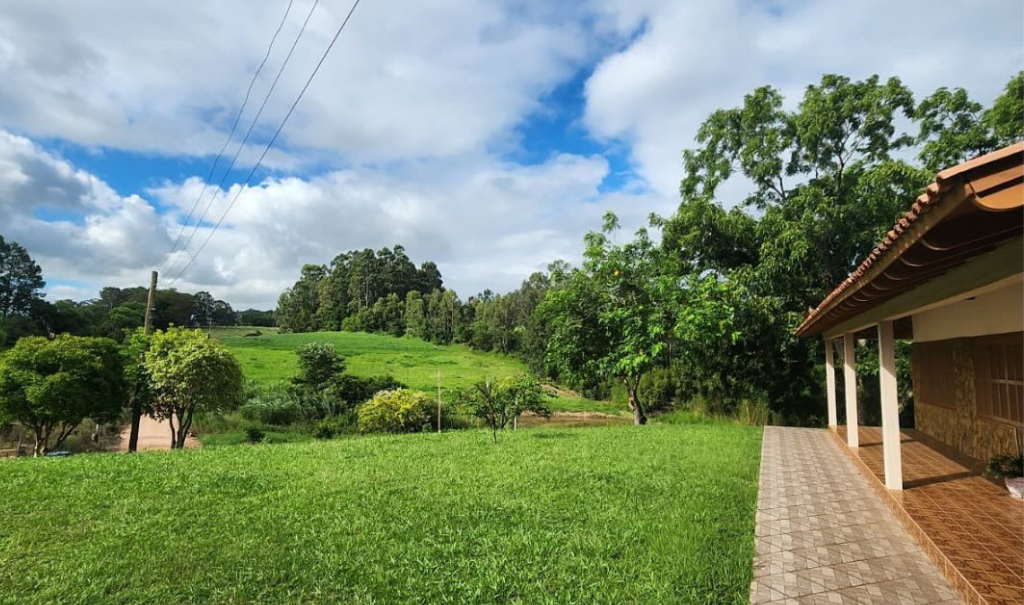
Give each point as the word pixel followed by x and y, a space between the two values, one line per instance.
pixel 272 140
pixel 234 126
pixel 248 132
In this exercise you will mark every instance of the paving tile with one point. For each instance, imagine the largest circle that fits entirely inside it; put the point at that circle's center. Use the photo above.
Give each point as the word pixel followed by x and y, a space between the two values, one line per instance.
pixel 823 537
pixel 970 522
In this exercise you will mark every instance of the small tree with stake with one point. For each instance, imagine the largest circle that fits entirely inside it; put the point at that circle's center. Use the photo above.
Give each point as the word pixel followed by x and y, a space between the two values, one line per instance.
pixel 190 373
pixel 502 402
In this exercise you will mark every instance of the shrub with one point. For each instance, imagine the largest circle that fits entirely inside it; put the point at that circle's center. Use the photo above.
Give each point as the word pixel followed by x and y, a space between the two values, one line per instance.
pixel 396 411
pixel 660 389
pixel 355 390
pixel 352 323
pixel 254 434
pixel 332 426
pixel 272 411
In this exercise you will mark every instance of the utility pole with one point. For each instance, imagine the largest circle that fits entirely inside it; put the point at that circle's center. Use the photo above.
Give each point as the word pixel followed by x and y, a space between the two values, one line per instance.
pixel 147 326
pixel 150 302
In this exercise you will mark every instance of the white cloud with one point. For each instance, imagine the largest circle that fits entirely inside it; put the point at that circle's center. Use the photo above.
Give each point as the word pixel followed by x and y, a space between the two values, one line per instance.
pixel 488 224
pixel 72 222
pixel 397 140
pixel 697 56
pixel 406 79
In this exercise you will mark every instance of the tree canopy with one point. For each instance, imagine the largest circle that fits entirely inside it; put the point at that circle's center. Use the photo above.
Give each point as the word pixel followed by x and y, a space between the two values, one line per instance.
pixel 21 279
pixel 190 373
pixel 51 386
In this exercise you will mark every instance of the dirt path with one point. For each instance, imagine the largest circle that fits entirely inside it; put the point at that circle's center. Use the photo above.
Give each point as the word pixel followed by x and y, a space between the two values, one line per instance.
pixel 153 435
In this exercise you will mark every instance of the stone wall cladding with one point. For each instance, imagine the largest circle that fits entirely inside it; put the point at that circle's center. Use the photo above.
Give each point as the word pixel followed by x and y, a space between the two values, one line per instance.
pixel 961 427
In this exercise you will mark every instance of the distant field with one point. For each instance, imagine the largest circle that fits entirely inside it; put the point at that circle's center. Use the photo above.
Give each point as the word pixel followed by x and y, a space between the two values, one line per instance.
pixel 643 515
pixel 271 357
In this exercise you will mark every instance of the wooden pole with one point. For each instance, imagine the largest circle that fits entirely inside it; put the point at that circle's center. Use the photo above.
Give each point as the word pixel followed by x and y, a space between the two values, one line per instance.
pixel 150 302
pixel 147 326
pixel 439 401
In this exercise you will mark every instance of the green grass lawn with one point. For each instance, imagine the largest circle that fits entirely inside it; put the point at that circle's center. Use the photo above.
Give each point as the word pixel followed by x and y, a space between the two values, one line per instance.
pixel 659 514
pixel 271 357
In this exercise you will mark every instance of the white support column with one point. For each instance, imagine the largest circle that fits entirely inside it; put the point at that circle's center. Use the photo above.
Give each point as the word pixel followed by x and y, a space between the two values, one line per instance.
pixel 893 456
pixel 830 382
pixel 850 386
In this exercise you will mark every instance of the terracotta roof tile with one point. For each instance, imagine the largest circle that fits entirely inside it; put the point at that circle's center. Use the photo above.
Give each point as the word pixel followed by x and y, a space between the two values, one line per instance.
pixel 932 195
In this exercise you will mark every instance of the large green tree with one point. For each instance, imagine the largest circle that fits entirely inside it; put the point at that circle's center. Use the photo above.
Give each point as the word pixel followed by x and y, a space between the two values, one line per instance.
pixel 825 180
pixel 51 386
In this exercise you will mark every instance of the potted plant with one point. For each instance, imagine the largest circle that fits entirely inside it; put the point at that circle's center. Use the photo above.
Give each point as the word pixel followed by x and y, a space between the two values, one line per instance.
pixel 1009 468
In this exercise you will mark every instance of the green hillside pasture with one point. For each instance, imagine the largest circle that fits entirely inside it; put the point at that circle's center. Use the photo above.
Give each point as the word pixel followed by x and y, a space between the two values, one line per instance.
pixel 644 515
pixel 271 357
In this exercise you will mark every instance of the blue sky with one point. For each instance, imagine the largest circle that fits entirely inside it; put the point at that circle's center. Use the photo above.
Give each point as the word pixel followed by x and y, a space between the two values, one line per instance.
pixel 486 135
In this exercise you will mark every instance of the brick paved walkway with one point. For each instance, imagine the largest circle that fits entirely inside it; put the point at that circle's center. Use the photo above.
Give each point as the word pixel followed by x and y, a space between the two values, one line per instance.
pixel 824 537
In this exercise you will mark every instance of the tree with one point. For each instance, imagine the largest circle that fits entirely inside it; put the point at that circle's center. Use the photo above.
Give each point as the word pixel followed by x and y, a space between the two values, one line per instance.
pixel 951 130
pixel 257 318
pixel 319 364
pixel 208 311
pixel 190 373
pixel 123 318
pixel 499 403
pixel 415 315
pixel 616 314
pixel 359 290
pixel 1005 119
pixel 21 279
pixel 826 182
pixel 955 128
pixel 51 386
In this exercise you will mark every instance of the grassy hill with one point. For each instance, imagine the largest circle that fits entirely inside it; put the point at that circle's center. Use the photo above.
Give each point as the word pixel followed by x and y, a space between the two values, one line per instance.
pixel 271 357
pixel 651 515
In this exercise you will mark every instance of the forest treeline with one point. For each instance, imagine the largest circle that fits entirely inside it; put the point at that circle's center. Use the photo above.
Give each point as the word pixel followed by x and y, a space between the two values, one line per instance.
pixel 703 315
pixel 24 311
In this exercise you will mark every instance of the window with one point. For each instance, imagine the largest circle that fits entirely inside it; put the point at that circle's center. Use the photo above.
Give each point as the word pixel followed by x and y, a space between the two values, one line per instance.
pixel 933 373
pixel 999 377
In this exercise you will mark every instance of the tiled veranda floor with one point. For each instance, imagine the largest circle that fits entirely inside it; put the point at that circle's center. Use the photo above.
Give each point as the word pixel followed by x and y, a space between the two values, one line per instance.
pixel 967 524
pixel 825 537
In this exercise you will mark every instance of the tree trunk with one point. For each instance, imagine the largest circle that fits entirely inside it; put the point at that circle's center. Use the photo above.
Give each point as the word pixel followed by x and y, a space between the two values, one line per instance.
pixel 184 425
pixel 133 435
pixel 639 418
pixel 64 433
pixel 42 437
pixel 174 433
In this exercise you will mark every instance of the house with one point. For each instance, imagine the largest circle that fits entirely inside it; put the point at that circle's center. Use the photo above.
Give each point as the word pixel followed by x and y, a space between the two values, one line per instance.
pixel 949 277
